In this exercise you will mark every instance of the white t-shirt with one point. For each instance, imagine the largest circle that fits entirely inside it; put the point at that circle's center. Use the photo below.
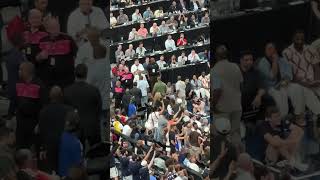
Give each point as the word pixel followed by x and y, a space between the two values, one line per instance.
pixel 134 68
pixel 170 44
pixel 181 87
pixel 143 85
pixel 161 64
pixel 126 130
pixel 182 60
pixel 193 58
pixel 77 21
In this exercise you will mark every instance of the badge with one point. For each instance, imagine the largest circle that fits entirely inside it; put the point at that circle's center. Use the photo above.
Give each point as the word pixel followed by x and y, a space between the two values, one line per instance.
pixel 153 70
pixel 52 61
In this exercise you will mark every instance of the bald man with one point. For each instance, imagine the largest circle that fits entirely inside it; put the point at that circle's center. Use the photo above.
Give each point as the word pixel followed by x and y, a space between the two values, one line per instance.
pixel 245 167
pixel 84 17
pixel 51 126
pixel 57 56
pixel 31 96
pixel 226 81
pixel 33 34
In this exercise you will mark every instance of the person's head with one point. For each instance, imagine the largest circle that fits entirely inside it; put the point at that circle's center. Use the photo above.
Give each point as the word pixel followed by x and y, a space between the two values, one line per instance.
pixel 85 6
pixel 122 63
pixel 152 60
pixel 77 173
pixel 182 35
pixel 118 83
pixel 203 74
pixel 24 159
pixel 298 39
pixel 99 51
pixel 130 46
pixel 154 25
pixel 206 14
pixel 41 5
pixel 179 78
pixel 125 144
pixel 26 71
pixel 111 14
pixel 72 120
pixel 35 18
pixel 56 94
pixel 53 26
pixel 187 81
pixel 193 17
pixel 163 23
pixel 120 47
pixel 141 25
pixel 121 12
pixel 174 3
pixel 173 58
pixel 136 62
pixel 273 116
pixel 147 60
pixel 159 78
pixel 93 35
pixel 137 11
pixel 169 37
pixel 81 71
pixel 148 8
pixel 246 61
pixel 162 58
pixel 140 77
pixel 183 53
pixel 194 77
pixel 245 163
pixel 270 49
pixel 221 52
pixel 141 44
pixel 172 18
pixel 193 52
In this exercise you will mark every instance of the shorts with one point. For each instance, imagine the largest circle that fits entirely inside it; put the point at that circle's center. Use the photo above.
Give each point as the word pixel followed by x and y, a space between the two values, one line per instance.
pixel 114 172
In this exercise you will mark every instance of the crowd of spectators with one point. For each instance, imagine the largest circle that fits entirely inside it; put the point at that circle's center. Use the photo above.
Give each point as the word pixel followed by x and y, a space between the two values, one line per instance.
pixel 271 102
pixel 57 92
pixel 160 129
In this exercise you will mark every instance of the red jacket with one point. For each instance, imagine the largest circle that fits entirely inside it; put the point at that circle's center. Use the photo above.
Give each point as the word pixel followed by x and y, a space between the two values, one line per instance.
pixel 181 42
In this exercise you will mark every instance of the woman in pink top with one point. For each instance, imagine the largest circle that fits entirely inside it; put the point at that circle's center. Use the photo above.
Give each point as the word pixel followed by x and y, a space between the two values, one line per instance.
pixel 142 31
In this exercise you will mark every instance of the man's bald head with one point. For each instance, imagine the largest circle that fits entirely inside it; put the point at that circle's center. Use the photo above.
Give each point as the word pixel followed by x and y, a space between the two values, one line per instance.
pixel 245 162
pixel 221 52
pixel 26 71
pixel 56 94
pixel 85 6
pixel 53 25
pixel 35 18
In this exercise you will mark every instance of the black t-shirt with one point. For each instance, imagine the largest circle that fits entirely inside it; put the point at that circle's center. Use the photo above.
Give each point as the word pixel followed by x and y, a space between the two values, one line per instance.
pixel 194 135
pixel 153 69
pixel 250 86
pixel 172 137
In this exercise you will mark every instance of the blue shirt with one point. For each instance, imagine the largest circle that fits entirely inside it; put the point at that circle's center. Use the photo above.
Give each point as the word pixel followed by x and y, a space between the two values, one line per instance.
pixel 70 153
pixel 264 67
pixel 132 110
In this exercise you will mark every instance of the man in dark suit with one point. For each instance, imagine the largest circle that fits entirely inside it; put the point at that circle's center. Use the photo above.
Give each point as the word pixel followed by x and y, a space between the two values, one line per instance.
pixel 86 99
pixel 137 94
pixel 51 127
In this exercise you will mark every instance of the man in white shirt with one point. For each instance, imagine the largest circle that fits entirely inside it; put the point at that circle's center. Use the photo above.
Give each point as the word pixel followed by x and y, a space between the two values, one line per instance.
pixel 141 50
pixel 170 44
pixel 182 59
pixel 136 70
pixel 193 56
pixel 130 52
pixel 133 34
pixel 119 53
pixel 83 17
pixel 136 16
pixel 181 89
pixel 162 63
pixel 154 29
pixel 127 129
pixel 143 85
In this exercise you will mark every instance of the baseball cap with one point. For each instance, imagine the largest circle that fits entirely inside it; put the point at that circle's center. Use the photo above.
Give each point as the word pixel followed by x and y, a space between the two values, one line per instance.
pixel 222 125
